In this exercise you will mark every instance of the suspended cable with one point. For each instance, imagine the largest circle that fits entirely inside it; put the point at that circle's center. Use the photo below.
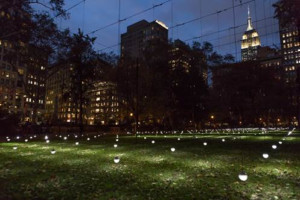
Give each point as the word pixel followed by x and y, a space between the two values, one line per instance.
pixel 211 14
pixel 75 5
pixel 131 16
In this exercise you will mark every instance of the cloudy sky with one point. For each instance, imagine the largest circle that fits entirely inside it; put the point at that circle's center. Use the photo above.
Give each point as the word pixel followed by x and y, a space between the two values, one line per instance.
pixel 216 28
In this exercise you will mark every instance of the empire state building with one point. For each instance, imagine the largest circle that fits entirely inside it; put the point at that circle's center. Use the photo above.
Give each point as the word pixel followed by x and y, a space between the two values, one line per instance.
pixel 250 42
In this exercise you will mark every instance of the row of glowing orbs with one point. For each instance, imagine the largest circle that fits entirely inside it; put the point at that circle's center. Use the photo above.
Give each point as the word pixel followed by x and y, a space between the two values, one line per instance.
pixel 242 176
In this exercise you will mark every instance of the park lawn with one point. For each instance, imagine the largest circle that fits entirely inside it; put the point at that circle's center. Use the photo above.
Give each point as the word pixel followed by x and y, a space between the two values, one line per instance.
pixel 151 171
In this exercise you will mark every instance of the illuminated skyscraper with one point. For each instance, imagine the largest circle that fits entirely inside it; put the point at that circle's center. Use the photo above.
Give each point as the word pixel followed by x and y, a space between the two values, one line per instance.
pixel 250 42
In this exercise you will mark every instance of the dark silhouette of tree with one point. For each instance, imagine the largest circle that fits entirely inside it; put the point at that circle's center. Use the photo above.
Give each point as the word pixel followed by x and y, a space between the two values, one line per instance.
pixel 247 94
pixel 82 59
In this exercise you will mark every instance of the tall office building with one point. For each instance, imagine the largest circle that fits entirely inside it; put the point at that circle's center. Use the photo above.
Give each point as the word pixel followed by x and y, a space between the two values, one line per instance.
pixel 250 42
pixel 134 41
pixel 290 45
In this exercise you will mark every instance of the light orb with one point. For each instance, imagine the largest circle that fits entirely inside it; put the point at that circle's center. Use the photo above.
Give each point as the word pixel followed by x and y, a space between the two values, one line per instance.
pixel 172 149
pixel 53 151
pixel 31 137
pixel 88 139
pixel 8 139
pixel 65 138
pixel 47 141
pixel 76 143
pixel 274 146
pixel 265 155
pixel 117 140
pixel 205 143
pixel 26 140
pixel 145 138
pixel 279 142
pixel 116 159
pixel 115 145
pixel 15 148
pixel 243 176
pixel 46 137
pixel 223 140
pixel 152 141
pixel 18 137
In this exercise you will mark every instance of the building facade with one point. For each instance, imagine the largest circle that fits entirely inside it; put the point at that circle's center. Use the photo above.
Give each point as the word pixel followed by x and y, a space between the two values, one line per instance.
pixel 102 107
pixel 290 45
pixel 134 41
pixel 250 42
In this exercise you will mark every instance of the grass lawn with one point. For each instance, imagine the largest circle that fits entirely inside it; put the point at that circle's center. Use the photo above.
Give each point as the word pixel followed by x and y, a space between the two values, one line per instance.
pixel 150 171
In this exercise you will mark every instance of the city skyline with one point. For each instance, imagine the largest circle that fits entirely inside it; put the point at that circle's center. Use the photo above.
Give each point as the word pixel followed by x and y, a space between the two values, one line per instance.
pixel 216 28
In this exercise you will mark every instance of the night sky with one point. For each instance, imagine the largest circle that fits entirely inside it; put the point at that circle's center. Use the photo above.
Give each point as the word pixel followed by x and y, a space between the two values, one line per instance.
pixel 94 14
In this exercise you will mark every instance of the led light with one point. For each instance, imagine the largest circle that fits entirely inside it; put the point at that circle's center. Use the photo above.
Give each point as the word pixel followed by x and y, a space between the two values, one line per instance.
pixel 31 137
pixel 117 140
pixel 26 140
pixel 223 140
pixel 178 139
pixel 274 146
pixel 172 149
pixel 15 148
pixel 152 141
pixel 47 141
pixel 279 142
pixel 116 159
pixel 76 143
pixel 53 151
pixel 205 143
pixel 46 137
pixel 145 138
pixel 265 155
pixel 65 138
pixel 115 145
pixel 243 176
pixel 88 139
pixel 18 137
pixel 8 139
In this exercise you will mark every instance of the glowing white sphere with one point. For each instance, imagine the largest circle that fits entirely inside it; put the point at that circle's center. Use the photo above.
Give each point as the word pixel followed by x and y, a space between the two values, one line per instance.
pixel 172 149
pixel 145 138
pixel 265 155
pixel 178 139
pixel 46 137
pixel 34 136
pixel 152 141
pixel 31 137
pixel 205 143
pixel 279 142
pixel 76 143
pixel 53 151
pixel 15 148
pixel 18 137
pixel 88 139
pixel 8 139
pixel 47 141
pixel 65 138
pixel 274 146
pixel 26 140
pixel 243 176
pixel 116 159
pixel 115 145
pixel 223 140
pixel 76 136
pixel 117 140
